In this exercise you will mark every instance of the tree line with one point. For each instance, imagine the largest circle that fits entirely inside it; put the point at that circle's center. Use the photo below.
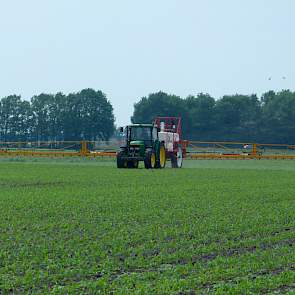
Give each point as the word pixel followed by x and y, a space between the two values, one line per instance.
pixel 248 118
pixel 88 115
pixel 57 117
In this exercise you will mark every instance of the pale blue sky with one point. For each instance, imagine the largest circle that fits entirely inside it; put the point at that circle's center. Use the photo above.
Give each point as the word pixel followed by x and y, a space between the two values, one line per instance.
pixel 131 48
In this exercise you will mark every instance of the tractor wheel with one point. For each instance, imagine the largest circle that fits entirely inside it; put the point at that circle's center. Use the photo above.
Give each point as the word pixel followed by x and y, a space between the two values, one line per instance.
pixel 120 162
pixel 150 160
pixel 161 162
pixel 176 159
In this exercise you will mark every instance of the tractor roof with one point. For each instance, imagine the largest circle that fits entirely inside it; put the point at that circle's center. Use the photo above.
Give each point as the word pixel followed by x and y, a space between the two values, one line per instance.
pixel 141 125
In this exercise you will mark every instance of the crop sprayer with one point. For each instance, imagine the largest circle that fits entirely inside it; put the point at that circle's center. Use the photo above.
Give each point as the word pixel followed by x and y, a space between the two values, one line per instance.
pixel 153 144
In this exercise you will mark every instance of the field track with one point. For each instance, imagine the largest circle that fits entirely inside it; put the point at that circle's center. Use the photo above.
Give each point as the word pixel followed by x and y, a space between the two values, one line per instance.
pixel 74 226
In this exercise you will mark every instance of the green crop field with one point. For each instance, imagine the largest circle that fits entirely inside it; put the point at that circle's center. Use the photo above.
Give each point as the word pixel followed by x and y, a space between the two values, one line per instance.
pixel 84 227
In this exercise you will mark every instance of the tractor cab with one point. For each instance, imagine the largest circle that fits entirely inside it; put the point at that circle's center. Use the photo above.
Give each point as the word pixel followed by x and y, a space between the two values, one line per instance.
pixel 141 134
pixel 141 143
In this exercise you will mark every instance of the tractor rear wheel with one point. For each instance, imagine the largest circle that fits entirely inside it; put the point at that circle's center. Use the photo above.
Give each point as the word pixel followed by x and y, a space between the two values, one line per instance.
pixel 177 159
pixel 161 162
pixel 150 160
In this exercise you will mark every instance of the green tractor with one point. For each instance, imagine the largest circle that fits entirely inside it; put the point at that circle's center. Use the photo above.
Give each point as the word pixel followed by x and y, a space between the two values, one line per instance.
pixel 141 143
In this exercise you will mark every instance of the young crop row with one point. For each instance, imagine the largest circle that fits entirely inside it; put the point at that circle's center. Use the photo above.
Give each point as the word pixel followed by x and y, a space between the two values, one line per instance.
pixel 72 228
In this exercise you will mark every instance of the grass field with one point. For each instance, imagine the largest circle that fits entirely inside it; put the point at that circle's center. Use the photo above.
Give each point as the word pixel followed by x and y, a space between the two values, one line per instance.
pixel 85 227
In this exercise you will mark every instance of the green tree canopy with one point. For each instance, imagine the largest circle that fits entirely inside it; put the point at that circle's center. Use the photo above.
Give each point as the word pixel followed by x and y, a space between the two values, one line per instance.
pixel 278 117
pixel 157 104
pixel 54 117
pixel 88 115
pixel 200 116
pixel 15 116
pixel 232 118
pixel 237 117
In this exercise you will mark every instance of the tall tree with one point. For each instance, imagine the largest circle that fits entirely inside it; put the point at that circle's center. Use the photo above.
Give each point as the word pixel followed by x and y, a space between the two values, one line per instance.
pixel 26 122
pixel 200 117
pixel 278 117
pixel 42 108
pixel 88 115
pixel 12 116
pixel 159 104
pixel 237 117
